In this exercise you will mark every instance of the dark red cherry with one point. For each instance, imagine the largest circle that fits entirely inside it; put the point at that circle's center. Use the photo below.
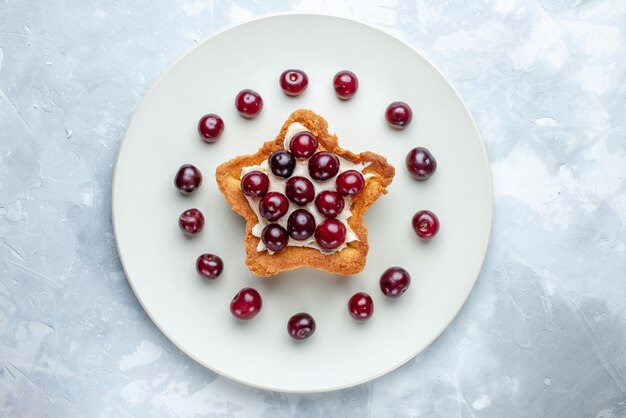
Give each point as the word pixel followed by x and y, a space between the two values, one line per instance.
pixel 323 166
pixel 209 266
pixel 246 304
pixel 395 281
pixel 294 82
pixel 300 190
pixel 329 203
pixel 273 205
pixel 301 326
pixel 425 224
pixel 346 84
pixel 330 234
pixel 350 183
pixel 303 145
pixel 191 221
pixel 420 163
pixel 301 224
pixel 188 178
pixel 274 237
pixel 282 163
pixel 398 115
pixel 249 103
pixel 255 184
pixel 361 306
pixel 210 127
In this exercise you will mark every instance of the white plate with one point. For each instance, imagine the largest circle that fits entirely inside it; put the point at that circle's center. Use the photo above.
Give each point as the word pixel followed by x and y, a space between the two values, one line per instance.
pixel 160 262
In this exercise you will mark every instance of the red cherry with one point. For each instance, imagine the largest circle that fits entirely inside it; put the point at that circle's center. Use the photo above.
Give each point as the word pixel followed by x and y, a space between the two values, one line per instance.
pixel 301 224
pixel 191 221
pixel 249 103
pixel 188 178
pixel 210 127
pixel 425 224
pixel 361 306
pixel 301 326
pixel 398 115
pixel 420 163
pixel 329 203
pixel 350 183
pixel 274 237
pixel 303 145
pixel 209 266
pixel 255 184
pixel 294 82
pixel 323 166
pixel 300 190
pixel 346 84
pixel 246 304
pixel 282 163
pixel 395 281
pixel 273 206
pixel 330 234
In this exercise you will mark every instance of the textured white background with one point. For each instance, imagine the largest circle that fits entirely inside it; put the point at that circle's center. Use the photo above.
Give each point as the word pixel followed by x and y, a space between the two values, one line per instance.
pixel 544 331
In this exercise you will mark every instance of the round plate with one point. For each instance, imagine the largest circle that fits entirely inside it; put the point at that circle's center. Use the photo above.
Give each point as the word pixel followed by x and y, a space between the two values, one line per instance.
pixel 160 262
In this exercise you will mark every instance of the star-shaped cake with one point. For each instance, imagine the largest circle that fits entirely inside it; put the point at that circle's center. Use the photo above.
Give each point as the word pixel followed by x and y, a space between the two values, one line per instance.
pixel 303 198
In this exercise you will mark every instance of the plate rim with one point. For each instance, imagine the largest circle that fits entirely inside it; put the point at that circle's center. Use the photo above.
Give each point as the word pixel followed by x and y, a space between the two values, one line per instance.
pixel 157 81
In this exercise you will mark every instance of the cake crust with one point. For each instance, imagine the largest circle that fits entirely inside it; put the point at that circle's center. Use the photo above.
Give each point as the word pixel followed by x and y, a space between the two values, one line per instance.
pixel 350 260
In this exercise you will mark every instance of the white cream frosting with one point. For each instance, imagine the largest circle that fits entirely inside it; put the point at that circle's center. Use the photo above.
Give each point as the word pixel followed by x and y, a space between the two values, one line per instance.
pixel 277 184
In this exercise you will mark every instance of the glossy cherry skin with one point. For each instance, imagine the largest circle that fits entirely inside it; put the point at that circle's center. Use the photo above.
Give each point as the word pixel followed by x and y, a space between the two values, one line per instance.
pixel 191 221
pixel 188 178
pixel 249 103
pixel 282 163
pixel 361 306
pixel 350 183
pixel 255 184
pixel 301 326
pixel 294 82
pixel 273 206
pixel 301 224
pixel 346 84
pixel 425 224
pixel 209 266
pixel 300 190
pixel 330 234
pixel 329 203
pixel 398 115
pixel 395 281
pixel 323 165
pixel 246 304
pixel 210 127
pixel 275 237
pixel 420 163
pixel 303 145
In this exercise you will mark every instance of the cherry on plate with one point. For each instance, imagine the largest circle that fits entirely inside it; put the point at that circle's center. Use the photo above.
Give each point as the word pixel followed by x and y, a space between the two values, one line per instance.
pixel 303 145
pixel 329 203
pixel 249 103
pixel 421 163
pixel 361 306
pixel 188 178
pixel 399 115
pixel 294 82
pixel 255 184
pixel 301 326
pixel 246 304
pixel 275 237
pixel 210 127
pixel 395 281
pixel 425 224
pixel 330 234
pixel 350 183
pixel 346 84
pixel 191 221
pixel 209 266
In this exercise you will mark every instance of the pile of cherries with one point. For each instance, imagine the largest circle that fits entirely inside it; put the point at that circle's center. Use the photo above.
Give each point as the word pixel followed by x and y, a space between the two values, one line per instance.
pixel 322 166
